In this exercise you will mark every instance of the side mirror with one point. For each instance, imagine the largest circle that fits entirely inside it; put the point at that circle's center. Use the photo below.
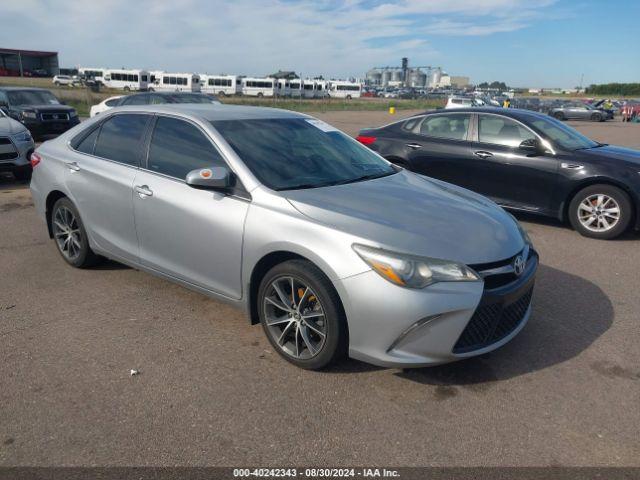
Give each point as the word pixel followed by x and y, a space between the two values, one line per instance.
pixel 214 178
pixel 530 145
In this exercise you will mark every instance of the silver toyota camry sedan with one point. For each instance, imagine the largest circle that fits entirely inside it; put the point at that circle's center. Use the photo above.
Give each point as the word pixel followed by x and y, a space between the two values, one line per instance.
pixel 331 248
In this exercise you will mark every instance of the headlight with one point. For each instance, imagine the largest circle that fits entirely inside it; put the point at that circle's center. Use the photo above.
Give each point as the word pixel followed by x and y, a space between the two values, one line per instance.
pixel 28 114
pixel 412 271
pixel 73 114
pixel 24 136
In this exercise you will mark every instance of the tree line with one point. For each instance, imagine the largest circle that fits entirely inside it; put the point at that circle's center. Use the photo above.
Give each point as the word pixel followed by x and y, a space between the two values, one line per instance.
pixel 614 89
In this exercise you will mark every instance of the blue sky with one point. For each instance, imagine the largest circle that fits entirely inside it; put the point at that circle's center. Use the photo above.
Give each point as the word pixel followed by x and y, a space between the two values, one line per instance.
pixel 522 42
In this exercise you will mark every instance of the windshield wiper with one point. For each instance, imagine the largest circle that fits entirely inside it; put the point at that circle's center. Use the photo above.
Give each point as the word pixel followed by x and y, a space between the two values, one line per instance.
pixel 370 176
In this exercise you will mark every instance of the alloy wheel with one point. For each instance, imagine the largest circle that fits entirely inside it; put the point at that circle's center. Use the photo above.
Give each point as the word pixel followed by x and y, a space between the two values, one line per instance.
pixel 66 232
pixel 599 213
pixel 294 317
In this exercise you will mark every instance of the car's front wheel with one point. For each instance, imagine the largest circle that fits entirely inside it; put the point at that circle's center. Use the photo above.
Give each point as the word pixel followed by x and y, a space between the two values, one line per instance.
pixel 600 211
pixel 70 235
pixel 596 117
pixel 558 116
pixel 301 315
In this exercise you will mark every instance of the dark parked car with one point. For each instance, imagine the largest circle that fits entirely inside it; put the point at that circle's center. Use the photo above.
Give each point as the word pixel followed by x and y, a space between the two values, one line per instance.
pixel 158 98
pixel 579 111
pixel 38 110
pixel 524 161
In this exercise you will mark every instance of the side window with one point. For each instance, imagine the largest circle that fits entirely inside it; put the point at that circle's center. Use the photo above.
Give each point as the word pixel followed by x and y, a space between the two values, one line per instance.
pixel 112 103
pixel 411 123
pixel 177 147
pixel 157 100
pixel 120 138
pixel 453 126
pixel 137 100
pixel 87 144
pixel 501 131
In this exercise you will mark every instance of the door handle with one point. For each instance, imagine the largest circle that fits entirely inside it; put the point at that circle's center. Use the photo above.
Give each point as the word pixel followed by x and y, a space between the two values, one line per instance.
pixel 73 166
pixel 483 154
pixel 143 191
pixel 414 146
pixel 571 166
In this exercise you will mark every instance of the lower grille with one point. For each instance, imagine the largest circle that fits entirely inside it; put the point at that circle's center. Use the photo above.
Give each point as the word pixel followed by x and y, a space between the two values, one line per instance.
pixel 491 323
pixel 7 149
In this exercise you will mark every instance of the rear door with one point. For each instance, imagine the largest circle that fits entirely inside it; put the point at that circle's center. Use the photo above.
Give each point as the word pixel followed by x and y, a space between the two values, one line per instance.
pixel 100 174
pixel 440 147
pixel 516 177
pixel 193 235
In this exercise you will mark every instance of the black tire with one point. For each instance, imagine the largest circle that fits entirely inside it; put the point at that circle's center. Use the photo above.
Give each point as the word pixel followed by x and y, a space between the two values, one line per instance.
pixel 222 94
pixel 23 174
pixel 558 116
pixel 126 89
pixel 348 97
pixel 335 345
pixel 596 117
pixel 260 95
pixel 150 89
pixel 85 257
pixel 618 196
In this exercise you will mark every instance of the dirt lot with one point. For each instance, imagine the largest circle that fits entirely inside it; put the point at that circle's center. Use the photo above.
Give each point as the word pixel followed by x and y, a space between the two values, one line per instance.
pixel 211 392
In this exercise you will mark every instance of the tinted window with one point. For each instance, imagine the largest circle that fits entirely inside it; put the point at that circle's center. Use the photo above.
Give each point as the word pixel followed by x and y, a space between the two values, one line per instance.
pixel 112 103
pixel 452 126
pixel 501 131
pixel 300 153
pixel 137 100
pixel 177 147
pixel 562 134
pixel 120 138
pixel 86 145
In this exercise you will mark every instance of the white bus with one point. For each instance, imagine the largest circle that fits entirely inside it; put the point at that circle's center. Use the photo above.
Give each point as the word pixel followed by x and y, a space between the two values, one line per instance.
pixel 259 87
pixel 309 88
pixel 295 88
pixel 175 82
pixel 220 85
pixel 129 80
pixel 96 74
pixel 322 89
pixel 344 89
pixel 284 88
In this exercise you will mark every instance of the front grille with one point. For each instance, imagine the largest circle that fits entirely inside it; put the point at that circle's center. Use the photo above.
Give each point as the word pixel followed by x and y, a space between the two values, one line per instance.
pixel 7 149
pixel 491 323
pixel 496 280
pixel 53 116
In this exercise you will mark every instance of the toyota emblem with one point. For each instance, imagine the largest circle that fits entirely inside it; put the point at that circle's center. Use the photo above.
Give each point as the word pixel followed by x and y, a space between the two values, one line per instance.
pixel 518 265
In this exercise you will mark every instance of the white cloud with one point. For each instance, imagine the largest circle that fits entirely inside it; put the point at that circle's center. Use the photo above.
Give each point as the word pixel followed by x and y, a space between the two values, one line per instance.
pixel 330 37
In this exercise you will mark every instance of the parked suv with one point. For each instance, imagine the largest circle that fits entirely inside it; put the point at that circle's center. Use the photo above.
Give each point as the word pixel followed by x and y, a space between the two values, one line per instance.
pixel 38 110
pixel 16 146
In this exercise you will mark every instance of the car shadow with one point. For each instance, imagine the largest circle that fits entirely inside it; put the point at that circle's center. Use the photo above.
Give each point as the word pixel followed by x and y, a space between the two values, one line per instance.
pixel 108 264
pixel 569 314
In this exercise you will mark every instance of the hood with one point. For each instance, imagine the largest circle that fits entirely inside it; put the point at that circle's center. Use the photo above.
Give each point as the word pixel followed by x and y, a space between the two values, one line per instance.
pixel 413 214
pixel 47 108
pixel 9 126
pixel 614 153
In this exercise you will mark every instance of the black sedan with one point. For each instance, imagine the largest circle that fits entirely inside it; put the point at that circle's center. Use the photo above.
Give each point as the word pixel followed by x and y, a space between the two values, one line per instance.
pixel 523 160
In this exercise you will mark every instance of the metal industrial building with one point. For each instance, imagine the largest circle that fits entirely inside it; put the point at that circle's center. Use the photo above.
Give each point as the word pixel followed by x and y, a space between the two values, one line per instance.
pixel 26 63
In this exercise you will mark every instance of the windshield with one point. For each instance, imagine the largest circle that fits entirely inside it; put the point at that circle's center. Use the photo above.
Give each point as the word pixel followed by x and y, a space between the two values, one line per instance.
pixel 297 153
pixel 563 135
pixel 32 97
pixel 191 98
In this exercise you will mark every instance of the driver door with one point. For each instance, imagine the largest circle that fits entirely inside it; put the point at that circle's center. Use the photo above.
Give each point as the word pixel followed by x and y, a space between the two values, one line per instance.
pixel 517 177
pixel 192 235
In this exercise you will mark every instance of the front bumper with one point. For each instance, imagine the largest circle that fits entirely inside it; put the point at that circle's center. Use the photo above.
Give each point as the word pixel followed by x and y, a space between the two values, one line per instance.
pixel 391 326
pixel 41 128
pixel 14 154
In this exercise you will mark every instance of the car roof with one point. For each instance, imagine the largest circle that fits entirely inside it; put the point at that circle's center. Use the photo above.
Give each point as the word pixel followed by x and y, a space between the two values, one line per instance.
pixel 215 112
pixel 517 113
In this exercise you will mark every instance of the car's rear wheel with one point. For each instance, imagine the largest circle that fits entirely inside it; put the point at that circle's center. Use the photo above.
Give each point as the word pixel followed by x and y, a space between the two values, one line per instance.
pixel 70 235
pixel 558 116
pixel 302 316
pixel 596 117
pixel 600 211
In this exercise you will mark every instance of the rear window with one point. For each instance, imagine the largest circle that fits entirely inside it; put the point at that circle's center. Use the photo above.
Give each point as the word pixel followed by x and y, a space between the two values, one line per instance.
pixel 453 126
pixel 120 138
